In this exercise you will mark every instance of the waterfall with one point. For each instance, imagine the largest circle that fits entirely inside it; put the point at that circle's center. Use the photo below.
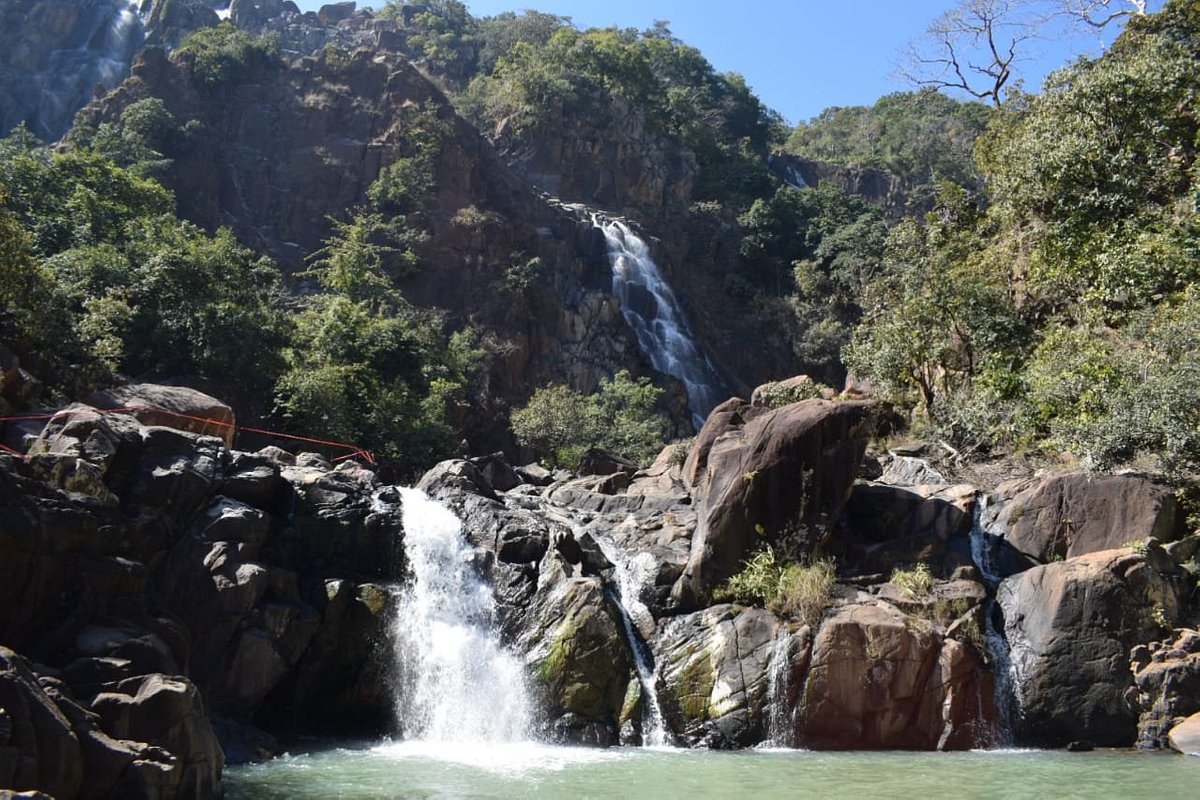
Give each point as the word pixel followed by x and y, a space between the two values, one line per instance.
pixel 1007 689
pixel 780 724
pixel 632 575
pixel 651 310
pixel 457 684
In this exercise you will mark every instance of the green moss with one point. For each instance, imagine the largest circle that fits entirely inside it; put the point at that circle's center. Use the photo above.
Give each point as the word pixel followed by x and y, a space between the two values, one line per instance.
pixel 695 686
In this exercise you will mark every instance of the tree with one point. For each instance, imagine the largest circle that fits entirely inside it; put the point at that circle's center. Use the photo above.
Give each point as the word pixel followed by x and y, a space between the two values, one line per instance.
pixel 972 48
pixel 560 424
pixel 1100 13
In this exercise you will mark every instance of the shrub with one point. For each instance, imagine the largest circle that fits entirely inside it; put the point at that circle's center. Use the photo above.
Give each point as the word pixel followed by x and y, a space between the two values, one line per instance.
pixel 916 582
pixel 225 54
pixel 799 591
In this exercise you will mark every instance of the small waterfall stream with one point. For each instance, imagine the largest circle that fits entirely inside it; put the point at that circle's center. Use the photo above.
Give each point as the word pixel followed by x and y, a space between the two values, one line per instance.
pixel 780 721
pixel 632 575
pixel 457 684
pixel 651 310
pixel 1007 690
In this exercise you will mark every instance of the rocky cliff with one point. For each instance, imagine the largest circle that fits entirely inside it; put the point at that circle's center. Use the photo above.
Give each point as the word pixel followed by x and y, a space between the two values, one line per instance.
pixel 158 586
pixel 169 602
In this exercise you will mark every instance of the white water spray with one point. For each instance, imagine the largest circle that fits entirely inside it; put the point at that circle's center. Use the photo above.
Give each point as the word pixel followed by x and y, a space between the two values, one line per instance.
pixel 632 574
pixel 651 310
pixel 457 684
pixel 780 726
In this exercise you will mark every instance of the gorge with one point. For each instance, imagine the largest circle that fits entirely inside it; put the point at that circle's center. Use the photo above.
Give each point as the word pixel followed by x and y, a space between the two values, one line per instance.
pixel 285 266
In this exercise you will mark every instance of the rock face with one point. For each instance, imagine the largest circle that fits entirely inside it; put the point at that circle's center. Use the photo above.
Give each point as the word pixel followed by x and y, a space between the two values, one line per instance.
pixel 1070 626
pixel 57 54
pixel 877 682
pixel 714 671
pixel 1037 520
pixel 156 577
pixel 1167 677
pixel 886 190
pixel 778 477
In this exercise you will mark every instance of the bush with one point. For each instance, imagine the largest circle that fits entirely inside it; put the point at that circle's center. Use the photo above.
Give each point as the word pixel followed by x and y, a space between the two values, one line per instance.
pixel 560 424
pixel 916 582
pixel 798 591
pixel 225 54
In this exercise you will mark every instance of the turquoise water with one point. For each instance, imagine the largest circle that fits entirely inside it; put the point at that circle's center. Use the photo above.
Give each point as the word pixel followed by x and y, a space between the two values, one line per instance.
pixel 416 770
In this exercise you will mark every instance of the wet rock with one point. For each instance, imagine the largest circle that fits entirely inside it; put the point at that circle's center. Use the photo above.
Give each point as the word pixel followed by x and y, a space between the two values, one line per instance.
pixel 577 649
pixel 1070 626
pixel 713 674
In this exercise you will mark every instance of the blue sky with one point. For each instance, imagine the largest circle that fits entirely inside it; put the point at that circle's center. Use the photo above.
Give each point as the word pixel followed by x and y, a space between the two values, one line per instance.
pixel 799 56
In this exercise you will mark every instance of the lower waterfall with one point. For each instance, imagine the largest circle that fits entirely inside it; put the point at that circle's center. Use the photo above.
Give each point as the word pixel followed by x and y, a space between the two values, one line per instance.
pixel 456 683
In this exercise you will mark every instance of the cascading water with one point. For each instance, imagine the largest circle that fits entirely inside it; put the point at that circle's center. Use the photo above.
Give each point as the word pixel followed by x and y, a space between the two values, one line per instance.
pixel 1006 687
pixel 780 725
pixel 457 684
pixel 632 575
pixel 650 308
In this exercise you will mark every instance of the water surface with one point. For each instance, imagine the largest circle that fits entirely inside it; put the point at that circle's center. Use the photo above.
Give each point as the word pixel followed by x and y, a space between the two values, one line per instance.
pixel 422 770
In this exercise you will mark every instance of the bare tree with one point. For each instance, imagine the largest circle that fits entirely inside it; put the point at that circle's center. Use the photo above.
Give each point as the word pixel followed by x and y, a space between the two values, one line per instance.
pixel 973 47
pixel 1100 13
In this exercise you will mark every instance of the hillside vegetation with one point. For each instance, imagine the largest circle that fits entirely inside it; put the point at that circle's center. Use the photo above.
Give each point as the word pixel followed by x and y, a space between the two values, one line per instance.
pixel 1049 301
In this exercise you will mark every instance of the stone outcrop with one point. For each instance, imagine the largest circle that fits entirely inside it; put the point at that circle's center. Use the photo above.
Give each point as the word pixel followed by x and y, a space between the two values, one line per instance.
pixel 1037 520
pixel 1070 626
pixel 779 477
pixel 158 578
pixel 885 189
pixel 877 681
pixel 1167 676
pixel 714 672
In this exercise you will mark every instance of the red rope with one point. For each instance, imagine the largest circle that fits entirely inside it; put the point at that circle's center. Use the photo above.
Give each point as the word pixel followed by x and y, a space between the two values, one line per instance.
pixel 354 449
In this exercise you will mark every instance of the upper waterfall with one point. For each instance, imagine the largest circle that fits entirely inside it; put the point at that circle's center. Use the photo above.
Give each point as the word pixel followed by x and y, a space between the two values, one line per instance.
pixel 650 308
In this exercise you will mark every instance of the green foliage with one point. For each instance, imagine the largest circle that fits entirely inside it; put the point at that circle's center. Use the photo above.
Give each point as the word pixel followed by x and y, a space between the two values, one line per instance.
pixel 553 75
pixel 227 54
pixel 442 36
pixel 407 184
pixel 916 582
pixel 924 137
pixel 798 591
pixel 560 424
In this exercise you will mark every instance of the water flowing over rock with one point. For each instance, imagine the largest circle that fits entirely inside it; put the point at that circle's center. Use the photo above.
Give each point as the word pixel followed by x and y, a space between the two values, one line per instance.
pixel 456 683
pixel 656 317
pixel 1070 626
pixel 61 52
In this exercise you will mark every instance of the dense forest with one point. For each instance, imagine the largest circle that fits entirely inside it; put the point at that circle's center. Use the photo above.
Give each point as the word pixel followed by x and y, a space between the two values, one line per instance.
pixel 1048 302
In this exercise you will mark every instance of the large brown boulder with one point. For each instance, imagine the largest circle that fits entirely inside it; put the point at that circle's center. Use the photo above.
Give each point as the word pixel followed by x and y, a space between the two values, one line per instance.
pixel 779 478
pixel 877 681
pixel 1037 520
pixel 1185 737
pixel 1070 626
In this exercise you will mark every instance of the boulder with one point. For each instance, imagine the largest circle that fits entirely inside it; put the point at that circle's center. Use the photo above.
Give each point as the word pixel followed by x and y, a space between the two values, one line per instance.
pixel 1070 627
pixel 1037 520
pixel 780 478
pixel 40 750
pixel 1185 737
pixel 577 649
pixel 1167 676
pixel 714 669
pixel 885 526
pixel 171 407
pixel 878 682
pixel 168 712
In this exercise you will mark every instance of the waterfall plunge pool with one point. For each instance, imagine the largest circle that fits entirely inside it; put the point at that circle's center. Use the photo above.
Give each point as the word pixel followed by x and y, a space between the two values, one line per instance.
pixel 418 769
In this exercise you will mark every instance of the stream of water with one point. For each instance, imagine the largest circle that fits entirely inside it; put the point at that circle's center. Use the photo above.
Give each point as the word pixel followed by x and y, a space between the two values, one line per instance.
pixel 651 310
